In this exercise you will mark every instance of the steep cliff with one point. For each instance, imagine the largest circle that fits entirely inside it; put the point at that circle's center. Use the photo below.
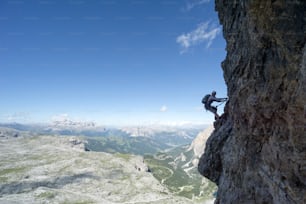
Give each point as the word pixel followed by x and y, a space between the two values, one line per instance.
pixel 257 153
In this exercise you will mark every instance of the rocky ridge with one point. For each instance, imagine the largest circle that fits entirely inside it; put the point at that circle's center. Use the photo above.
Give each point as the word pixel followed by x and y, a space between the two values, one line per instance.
pixel 198 144
pixel 53 169
pixel 257 152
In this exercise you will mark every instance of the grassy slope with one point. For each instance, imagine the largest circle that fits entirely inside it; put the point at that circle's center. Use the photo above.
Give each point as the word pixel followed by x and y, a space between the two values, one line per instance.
pixel 127 145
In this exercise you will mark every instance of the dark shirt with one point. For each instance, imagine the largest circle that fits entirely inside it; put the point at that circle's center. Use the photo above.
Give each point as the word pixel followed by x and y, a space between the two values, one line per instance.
pixel 212 99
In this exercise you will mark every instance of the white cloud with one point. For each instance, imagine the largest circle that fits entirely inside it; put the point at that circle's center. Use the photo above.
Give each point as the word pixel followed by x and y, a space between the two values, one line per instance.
pixel 60 117
pixel 194 3
pixel 163 108
pixel 203 33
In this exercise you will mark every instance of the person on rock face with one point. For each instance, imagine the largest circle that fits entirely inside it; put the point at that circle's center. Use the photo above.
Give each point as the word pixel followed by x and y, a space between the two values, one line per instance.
pixel 210 100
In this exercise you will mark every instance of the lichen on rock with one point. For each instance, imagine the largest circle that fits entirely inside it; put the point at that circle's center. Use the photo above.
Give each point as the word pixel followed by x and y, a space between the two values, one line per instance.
pixel 257 153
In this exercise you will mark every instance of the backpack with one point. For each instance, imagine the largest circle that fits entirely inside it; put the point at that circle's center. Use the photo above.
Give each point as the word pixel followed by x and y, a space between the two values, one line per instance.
pixel 205 99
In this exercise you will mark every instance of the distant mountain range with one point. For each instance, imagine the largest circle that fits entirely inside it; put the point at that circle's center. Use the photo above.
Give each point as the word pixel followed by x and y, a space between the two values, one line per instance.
pixel 67 123
pixel 84 127
pixel 136 140
pixel 171 153
pixel 141 140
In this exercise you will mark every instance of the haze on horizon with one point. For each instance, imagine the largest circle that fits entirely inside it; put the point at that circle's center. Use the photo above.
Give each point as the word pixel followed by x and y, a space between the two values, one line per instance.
pixel 112 62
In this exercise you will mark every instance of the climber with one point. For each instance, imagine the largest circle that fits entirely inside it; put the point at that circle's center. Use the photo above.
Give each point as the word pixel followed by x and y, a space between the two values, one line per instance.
pixel 209 99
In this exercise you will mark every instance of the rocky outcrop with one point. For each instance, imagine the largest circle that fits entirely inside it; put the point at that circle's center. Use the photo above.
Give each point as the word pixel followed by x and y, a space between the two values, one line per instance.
pixel 257 153
pixel 54 169
pixel 8 133
pixel 198 145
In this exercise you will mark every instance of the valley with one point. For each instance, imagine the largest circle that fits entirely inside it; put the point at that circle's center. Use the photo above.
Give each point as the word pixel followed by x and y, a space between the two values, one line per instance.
pixel 114 168
pixel 175 170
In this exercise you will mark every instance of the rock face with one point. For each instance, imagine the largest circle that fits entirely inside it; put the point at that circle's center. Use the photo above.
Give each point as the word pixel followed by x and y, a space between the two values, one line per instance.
pixel 198 144
pixel 257 153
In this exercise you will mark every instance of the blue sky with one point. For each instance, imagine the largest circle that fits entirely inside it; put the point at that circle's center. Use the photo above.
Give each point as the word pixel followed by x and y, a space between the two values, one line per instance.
pixel 109 61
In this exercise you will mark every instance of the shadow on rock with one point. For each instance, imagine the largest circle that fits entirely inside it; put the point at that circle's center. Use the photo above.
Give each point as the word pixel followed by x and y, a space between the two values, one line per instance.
pixel 58 182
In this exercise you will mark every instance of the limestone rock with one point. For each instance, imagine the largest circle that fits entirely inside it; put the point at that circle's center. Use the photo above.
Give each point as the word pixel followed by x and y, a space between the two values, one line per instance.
pixel 53 169
pixel 257 153
pixel 198 144
pixel 9 133
pixel 77 143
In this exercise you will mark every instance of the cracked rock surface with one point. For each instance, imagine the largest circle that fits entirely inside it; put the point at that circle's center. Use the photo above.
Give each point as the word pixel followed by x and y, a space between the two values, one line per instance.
pixel 257 153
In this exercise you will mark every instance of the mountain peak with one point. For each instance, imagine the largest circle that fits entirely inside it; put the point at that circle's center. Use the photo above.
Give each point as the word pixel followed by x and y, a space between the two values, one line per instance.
pixel 67 123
